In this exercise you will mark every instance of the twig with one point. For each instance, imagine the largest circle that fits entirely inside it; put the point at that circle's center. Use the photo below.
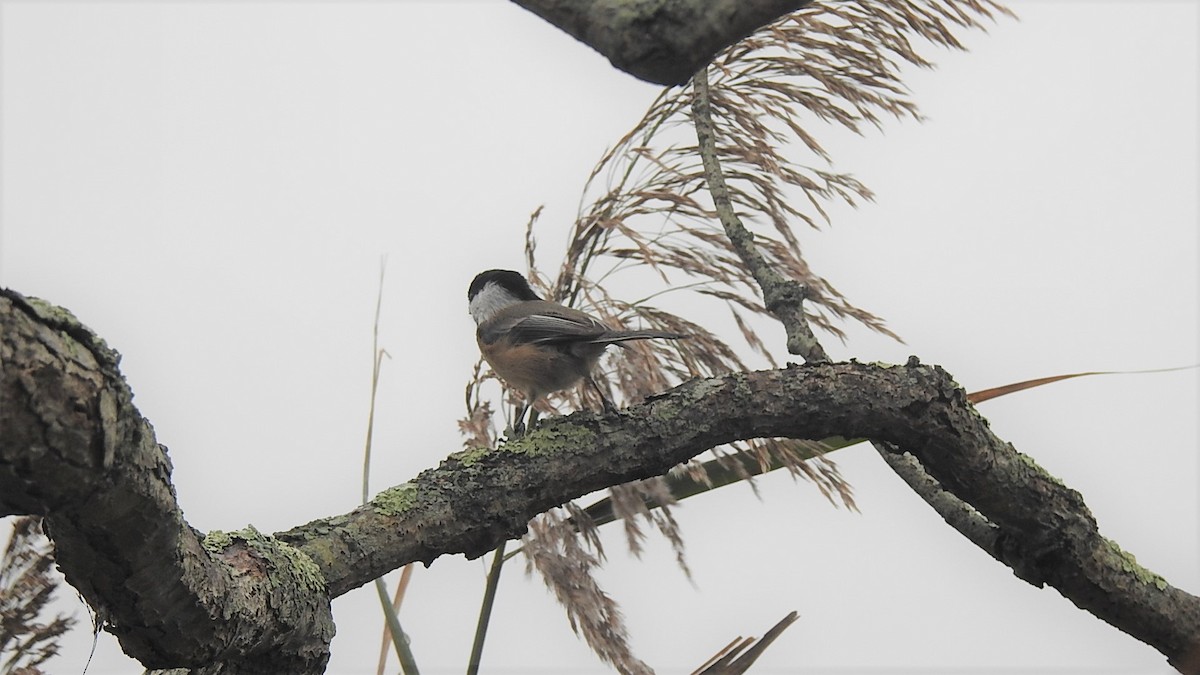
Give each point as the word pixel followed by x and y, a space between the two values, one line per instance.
pixel 784 298
pixel 399 639
pixel 485 611
pixel 957 513
pixel 397 600
pixel 737 657
pixel 378 362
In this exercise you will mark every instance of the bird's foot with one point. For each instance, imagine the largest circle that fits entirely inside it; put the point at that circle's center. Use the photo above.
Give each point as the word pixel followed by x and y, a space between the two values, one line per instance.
pixel 515 431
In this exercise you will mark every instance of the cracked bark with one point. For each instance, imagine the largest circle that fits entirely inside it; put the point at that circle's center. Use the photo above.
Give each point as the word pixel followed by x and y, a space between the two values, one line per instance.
pixel 74 449
pixel 660 41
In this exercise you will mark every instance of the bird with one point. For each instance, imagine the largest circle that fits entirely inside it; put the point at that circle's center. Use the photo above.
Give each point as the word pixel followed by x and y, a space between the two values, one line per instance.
pixel 537 346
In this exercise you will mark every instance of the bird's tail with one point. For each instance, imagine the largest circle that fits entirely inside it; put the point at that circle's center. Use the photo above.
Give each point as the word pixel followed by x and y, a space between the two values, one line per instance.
pixel 615 337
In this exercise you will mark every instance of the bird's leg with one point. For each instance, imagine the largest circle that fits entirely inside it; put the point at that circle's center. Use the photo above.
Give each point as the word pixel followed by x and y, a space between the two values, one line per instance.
pixel 609 406
pixel 518 426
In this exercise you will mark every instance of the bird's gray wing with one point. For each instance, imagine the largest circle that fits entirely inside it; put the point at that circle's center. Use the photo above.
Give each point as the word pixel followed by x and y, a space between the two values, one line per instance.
pixel 555 328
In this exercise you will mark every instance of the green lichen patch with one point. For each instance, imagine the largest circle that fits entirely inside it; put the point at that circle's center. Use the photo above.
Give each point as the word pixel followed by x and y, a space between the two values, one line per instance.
pixel 471 455
pixel 286 565
pixel 1129 564
pixel 395 500
pixel 302 570
pixel 51 313
pixel 551 437
pixel 61 319
pixel 1028 461
pixel 555 440
pixel 217 541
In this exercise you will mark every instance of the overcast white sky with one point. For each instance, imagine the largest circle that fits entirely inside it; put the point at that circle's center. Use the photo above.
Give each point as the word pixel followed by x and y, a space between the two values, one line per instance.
pixel 210 186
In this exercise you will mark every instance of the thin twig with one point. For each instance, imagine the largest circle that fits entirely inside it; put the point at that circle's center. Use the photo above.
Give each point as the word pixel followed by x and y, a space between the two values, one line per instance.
pixel 378 355
pixel 485 611
pixel 397 600
pixel 399 639
pixel 737 657
pixel 784 298
pixel 957 513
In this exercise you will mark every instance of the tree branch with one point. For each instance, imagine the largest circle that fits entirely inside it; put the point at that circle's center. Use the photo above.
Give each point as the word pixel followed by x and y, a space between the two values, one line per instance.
pixel 783 298
pixel 73 448
pixel 660 41
pixel 957 513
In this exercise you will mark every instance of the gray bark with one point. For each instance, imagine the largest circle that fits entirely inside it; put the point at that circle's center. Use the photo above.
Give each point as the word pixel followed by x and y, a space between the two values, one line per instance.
pixel 75 450
pixel 660 41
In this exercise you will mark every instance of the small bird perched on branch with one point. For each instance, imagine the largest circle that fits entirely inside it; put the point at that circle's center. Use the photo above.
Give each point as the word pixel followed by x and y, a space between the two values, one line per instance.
pixel 537 346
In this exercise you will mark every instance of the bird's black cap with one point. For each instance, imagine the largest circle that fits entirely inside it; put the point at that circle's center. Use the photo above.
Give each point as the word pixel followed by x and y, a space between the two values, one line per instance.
pixel 509 280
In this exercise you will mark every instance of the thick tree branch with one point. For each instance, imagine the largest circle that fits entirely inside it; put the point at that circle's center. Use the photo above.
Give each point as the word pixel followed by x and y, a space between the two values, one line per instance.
pixel 660 41
pixel 73 448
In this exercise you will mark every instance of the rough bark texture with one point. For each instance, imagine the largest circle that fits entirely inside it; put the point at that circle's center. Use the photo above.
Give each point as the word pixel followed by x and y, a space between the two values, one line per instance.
pixel 73 449
pixel 660 41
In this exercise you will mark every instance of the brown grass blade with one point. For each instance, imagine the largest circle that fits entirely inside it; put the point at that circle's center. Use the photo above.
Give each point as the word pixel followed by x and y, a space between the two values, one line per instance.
pixel 996 392
pixel 731 660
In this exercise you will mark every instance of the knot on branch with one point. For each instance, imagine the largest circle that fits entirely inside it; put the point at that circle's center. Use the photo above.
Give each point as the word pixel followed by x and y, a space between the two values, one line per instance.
pixel 786 295
pixel 784 298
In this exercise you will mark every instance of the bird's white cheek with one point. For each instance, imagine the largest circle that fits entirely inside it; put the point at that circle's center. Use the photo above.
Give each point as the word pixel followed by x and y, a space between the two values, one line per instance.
pixel 488 301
